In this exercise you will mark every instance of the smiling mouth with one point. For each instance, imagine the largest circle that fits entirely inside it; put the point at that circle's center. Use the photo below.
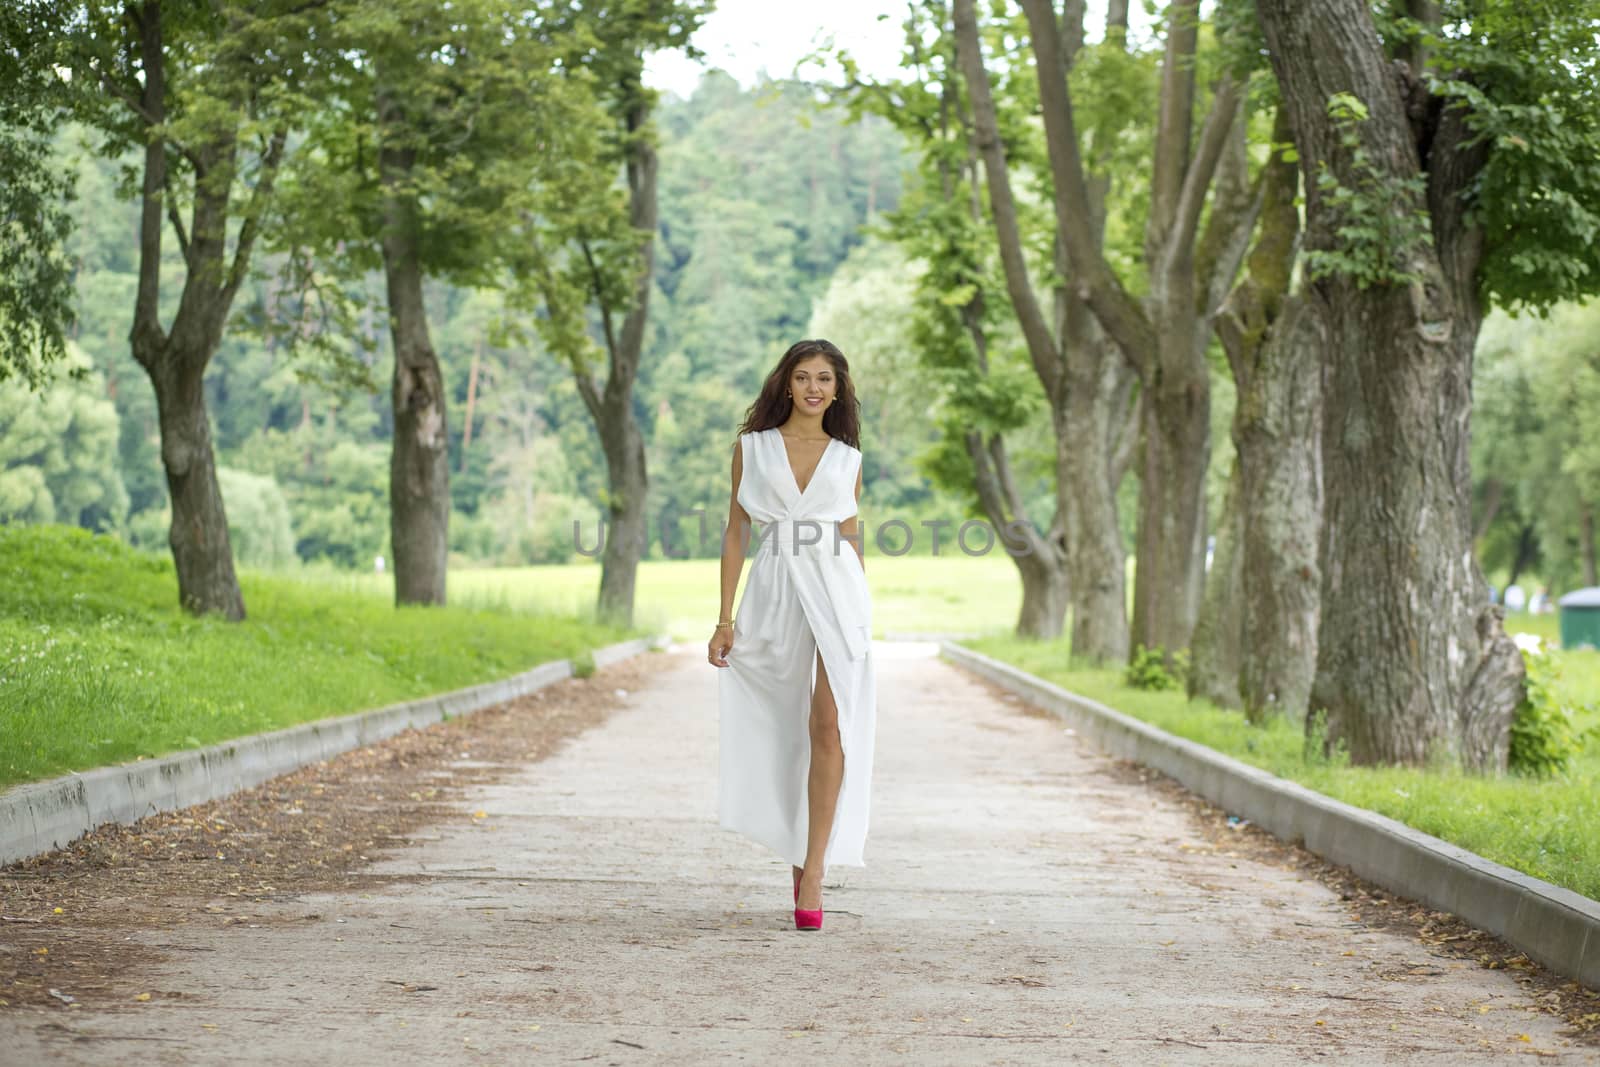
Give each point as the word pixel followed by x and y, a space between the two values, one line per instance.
pixel 813 400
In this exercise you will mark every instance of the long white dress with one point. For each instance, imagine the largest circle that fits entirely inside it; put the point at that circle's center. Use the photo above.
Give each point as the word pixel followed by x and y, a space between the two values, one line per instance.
pixel 806 591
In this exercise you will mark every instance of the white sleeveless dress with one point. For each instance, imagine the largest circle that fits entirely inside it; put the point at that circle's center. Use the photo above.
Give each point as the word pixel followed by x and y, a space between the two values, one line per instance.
pixel 806 591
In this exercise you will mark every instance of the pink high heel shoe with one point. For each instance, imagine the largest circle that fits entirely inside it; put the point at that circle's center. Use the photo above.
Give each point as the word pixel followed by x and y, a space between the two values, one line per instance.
pixel 806 918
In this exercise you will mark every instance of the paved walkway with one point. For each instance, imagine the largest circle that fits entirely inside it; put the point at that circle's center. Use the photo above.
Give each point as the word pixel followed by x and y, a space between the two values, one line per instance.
pixel 1023 904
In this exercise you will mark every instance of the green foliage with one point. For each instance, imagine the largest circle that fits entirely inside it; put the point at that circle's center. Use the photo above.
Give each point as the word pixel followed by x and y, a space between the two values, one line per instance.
pixel 1378 222
pixel 1536 395
pixel 1318 751
pixel 1525 73
pixel 58 452
pixel 1544 736
pixel 99 665
pixel 36 309
pixel 1151 669
pixel 258 519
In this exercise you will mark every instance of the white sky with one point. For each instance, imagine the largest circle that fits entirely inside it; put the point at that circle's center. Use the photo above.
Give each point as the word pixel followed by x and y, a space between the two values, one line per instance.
pixel 747 37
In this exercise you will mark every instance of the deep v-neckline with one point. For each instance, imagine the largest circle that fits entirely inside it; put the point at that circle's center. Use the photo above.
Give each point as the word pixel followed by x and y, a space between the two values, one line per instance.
pixel 793 480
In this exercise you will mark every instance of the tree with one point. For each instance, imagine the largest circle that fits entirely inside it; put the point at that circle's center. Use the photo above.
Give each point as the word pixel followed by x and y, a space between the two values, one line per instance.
pixel 209 96
pixel 1256 643
pixel 589 259
pixel 1188 266
pixel 970 239
pixel 58 452
pixel 449 122
pixel 36 292
pixel 1447 162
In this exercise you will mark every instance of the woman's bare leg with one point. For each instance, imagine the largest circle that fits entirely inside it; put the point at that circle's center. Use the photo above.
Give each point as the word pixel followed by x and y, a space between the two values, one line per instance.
pixel 822 785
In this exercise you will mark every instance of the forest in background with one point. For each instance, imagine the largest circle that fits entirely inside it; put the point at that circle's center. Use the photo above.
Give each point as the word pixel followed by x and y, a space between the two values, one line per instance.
pixel 768 199
pixel 772 215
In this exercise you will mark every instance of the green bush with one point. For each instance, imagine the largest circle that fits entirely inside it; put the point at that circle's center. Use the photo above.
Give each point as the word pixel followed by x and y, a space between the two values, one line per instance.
pixel 259 528
pixel 1148 669
pixel 1544 737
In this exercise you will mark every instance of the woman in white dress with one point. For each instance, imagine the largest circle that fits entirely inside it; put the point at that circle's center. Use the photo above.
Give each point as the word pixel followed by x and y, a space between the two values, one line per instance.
pixel 797 693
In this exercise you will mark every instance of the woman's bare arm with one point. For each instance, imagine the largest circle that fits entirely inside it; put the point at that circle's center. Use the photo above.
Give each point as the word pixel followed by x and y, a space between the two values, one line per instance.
pixel 734 537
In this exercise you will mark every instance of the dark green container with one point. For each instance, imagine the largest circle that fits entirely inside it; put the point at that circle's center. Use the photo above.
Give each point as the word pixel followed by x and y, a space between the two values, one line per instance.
pixel 1580 618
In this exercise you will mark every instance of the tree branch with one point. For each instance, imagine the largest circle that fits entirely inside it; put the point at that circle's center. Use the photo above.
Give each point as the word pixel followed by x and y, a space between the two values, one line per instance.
pixel 174 217
pixel 1119 313
pixel 148 336
pixel 1235 207
pixel 250 227
pixel 1225 111
pixel 599 288
pixel 1176 112
pixel 986 132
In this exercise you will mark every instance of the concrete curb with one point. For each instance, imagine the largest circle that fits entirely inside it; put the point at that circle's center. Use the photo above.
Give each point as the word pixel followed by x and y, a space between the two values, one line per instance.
pixel 1557 927
pixel 40 816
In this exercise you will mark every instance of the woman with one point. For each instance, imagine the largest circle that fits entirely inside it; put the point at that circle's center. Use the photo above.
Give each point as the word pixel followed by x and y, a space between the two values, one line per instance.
pixel 797 692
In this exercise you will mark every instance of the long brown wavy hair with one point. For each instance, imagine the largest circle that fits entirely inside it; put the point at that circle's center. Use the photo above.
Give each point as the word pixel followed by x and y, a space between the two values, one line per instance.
pixel 772 407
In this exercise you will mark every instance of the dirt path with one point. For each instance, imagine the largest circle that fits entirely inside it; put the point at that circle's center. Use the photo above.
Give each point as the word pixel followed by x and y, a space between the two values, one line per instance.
pixel 1027 900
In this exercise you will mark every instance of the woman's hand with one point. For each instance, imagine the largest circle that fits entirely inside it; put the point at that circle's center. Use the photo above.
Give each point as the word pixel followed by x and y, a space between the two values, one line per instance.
pixel 719 646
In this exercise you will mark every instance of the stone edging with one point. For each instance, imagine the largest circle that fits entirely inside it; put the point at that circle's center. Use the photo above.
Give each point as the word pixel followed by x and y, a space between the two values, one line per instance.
pixel 1557 927
pixel 39 816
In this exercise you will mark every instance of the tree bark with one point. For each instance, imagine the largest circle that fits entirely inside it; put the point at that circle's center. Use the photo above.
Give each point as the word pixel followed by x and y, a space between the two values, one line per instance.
pixel 1096 417
pixel 1277 435
pixel 419 460
pixel 1171 547
pixel 1218 645
pixel 1413 663
pixel 1273 342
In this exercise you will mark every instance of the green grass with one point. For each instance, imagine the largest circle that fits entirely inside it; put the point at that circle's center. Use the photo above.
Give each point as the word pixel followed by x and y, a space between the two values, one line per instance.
pixel 1547 828
pixel 98 665
pixel 954 592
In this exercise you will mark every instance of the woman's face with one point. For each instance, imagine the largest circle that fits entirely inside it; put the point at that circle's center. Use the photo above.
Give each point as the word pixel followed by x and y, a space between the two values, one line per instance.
pixel 812 384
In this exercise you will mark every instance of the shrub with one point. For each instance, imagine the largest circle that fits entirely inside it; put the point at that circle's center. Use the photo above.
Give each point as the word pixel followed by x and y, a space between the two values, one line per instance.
pixel 259 528
pixel 1148 669
pixel 1544 737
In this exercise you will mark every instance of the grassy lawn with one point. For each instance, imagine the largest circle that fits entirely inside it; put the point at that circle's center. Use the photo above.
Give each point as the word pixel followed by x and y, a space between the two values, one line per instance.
pixel 954 592
pixel 98 665
pixel 1547 828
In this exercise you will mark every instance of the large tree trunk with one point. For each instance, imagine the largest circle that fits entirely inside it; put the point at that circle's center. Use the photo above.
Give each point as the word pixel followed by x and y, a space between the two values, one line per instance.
pixel 1277 437
pixel 1171 549
pixel 1089 469
pixel 1218 642
pixel 1274 343
pixel 1413 662
pixel 1166 337
pixel 625 511
pixel 201 551
pixel 419 461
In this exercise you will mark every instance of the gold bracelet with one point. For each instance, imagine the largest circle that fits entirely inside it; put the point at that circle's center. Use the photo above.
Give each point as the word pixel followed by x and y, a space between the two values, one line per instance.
pixel 720 625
